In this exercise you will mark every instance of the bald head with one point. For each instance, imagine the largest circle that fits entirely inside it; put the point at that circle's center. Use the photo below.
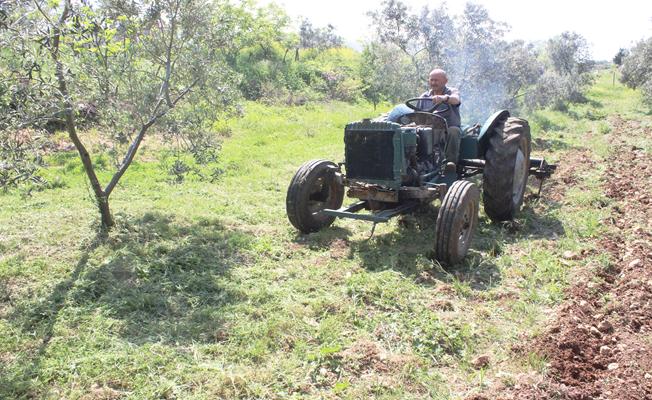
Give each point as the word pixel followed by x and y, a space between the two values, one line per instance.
pixel 439 72
pixel 437 80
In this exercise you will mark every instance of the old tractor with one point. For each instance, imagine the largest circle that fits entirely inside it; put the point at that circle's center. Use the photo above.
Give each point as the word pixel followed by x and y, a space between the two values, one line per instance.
pixel 397 162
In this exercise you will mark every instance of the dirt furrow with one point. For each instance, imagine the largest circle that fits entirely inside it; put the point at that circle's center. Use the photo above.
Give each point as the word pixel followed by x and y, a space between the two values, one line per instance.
pixel 600 344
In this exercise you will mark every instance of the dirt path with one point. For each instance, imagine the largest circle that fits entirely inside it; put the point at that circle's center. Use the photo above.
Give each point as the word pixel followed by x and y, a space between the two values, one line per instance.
pixel 600 344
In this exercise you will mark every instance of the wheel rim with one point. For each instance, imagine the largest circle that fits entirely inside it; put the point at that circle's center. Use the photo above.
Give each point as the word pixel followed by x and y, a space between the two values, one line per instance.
pixel 467 228
pixel 320 195
pixel 520 174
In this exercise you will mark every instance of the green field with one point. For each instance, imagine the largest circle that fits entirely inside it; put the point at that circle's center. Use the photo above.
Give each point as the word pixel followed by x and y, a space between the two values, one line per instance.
pixel 204 290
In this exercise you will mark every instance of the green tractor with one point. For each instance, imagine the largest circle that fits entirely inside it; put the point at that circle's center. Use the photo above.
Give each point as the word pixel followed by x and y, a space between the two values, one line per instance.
pixel 395 163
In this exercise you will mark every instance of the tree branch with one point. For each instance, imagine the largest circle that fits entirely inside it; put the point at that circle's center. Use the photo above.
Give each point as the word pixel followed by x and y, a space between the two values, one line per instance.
pixel 133 148
pixel 47 18
pixel 165 88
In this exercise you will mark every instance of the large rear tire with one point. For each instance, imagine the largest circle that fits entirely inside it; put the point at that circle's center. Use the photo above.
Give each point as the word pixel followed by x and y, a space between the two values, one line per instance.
pixel 456 222
pixel 313 189
pixel 507 165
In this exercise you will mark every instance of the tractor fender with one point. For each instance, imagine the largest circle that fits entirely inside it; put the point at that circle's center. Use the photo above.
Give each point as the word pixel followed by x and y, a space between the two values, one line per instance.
pixel 488 130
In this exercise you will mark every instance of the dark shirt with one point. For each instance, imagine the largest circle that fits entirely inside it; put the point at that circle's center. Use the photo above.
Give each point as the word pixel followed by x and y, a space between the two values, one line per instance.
pixel 452 115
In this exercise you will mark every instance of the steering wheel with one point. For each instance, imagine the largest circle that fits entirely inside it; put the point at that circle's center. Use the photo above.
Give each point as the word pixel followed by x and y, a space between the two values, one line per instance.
pixel 412 104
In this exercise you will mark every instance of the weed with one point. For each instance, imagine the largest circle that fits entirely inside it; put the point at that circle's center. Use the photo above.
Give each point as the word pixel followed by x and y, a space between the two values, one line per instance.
pixel 537 362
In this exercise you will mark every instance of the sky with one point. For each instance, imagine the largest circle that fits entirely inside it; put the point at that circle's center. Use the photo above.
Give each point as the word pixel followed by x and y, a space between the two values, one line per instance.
pixel 607 25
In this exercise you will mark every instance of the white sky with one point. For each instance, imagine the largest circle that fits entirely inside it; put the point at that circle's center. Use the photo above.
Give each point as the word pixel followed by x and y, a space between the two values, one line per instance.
pixel 607 25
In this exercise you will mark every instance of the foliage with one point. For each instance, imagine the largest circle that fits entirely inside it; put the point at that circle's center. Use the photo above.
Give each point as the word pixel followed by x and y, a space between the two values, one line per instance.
pixel 490 72
pixel 21 158
pixel 637 69
pixel 279 65
pixel 620 56
pixel 134 62
pixel 318 38
pixel 567 74
pixel 568 54
pixel 384 75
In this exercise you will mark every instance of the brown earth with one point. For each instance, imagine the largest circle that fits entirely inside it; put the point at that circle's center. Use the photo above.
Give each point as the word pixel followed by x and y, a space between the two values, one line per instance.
pixel 600 344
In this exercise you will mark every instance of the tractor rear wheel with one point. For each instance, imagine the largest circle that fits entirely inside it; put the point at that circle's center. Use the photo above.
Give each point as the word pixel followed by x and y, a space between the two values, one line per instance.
pixel 313 189
pixel 507 165
pixel 456 222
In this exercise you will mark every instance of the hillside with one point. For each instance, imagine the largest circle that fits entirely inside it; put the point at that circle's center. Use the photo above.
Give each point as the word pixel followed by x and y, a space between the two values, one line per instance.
pixel 205 291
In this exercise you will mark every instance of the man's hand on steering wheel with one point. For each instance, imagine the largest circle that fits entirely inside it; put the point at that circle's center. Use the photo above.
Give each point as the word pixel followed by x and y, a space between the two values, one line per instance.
pixel 438 99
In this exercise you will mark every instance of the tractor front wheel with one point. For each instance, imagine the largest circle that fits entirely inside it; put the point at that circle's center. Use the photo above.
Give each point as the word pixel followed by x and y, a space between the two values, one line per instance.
pixel 507 166
pixel 313 189
pixel 456 222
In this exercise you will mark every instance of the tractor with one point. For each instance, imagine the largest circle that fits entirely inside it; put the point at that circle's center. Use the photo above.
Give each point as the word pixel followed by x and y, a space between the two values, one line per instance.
pixel 396 162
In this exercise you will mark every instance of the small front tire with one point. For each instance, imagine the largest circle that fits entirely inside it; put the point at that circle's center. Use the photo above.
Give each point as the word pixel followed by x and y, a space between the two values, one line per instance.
pixel 313 189
pixel 456 222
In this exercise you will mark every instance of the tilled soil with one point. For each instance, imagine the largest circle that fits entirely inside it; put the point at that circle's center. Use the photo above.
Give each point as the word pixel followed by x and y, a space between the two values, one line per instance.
pixel 600 344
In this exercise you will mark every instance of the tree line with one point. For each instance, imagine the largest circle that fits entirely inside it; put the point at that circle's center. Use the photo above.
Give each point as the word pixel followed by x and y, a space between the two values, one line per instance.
pixel 176 68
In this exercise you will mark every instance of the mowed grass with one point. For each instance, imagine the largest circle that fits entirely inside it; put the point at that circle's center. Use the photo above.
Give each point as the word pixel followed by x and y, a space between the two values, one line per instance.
pixel 205 291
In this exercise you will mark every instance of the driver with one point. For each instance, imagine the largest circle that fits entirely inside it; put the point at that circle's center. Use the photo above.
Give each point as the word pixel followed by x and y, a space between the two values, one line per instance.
pixel 442 94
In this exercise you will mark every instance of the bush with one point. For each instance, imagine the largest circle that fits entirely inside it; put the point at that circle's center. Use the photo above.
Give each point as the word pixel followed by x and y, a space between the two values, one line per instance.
pixel 637 69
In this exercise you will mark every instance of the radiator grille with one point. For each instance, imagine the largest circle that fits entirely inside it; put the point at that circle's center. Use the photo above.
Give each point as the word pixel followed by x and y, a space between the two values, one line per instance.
pixel 369 154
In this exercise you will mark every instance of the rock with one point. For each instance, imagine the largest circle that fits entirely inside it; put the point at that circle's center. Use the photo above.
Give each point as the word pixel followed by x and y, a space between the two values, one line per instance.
pixel 621 347
pixel 634 263
pixel 585 306
pixel 605 351
pixel 605 326
pixel 504 374
pixel 648 376
pixel 595 331
pixel 566 263
pixel 570 255
pixel 480 362
pixel 612 366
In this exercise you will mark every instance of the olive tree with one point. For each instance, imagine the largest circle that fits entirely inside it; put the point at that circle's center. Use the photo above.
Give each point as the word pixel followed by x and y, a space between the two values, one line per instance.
pixel 567 74
pixel 385 76
pixel 136 61
pixel 636 69
pixel 490 72
pixel 620 56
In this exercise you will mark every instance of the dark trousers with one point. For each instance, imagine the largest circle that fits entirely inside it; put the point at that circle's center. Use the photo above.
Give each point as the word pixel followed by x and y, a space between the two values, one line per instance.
pixel 453 143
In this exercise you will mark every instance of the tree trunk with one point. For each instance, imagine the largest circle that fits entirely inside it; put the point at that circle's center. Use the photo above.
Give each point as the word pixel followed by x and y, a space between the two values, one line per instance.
pixel 105 212
pixel 101 196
